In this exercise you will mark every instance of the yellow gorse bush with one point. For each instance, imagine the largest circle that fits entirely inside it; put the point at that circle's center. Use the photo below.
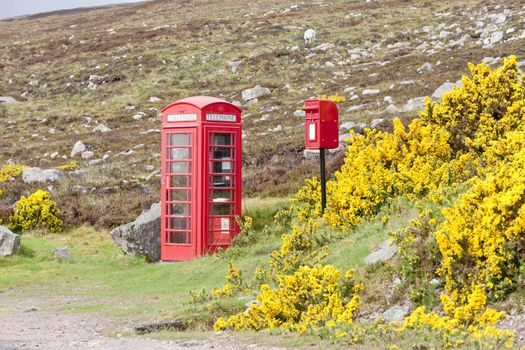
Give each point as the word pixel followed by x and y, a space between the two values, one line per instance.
pixel 36 211
pixel 311 298
pixel 9 171
pixel 71 166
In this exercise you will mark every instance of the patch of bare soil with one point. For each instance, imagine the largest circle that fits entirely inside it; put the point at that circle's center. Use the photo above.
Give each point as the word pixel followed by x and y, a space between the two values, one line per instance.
pixel 28 322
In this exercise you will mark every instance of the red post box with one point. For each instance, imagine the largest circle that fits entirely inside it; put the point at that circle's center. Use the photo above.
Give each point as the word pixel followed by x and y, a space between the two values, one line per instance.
pixel 322 128
pixel 201 177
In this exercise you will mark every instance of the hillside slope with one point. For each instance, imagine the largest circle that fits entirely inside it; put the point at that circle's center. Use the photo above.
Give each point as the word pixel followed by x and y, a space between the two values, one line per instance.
pixel 71 71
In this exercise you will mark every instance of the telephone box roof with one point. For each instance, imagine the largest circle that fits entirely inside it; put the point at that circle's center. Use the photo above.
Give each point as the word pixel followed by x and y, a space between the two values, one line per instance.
pixel 200 102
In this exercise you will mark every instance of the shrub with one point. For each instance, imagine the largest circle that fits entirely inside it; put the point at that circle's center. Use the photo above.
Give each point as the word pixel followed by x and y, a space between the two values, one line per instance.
pixel 310 299
pixel 71 166
pixel 36 211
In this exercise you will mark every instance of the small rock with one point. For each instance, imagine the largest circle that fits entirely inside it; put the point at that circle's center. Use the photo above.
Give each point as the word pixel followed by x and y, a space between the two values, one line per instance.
pixel 311 153
pixel 371 92
pixel 154 99
pixel 397 313
pixel 416 103
pixel 9 242
pixel 299 113
pixel 391 109
pixel 499 18
pixel 351 125
pixel 30 175
pixel 87 155
pixel 376 122
pixel 79 147
pixel 324 47
pixel 426 67
pixel 102 128
pixel 234 65
pixel 253 93
pixel 62 253
pixel 388 99
pixel 34 83
pixel 385 252
pixel 442 90
pixel 276 129
pixel 8 100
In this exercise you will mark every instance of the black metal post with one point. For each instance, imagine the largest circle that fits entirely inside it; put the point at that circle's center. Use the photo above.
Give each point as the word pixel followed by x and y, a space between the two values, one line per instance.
pixel 323 180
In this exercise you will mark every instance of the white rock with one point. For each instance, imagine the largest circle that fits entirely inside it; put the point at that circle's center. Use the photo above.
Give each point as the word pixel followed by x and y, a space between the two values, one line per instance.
pixel 41 175
pixel 34 83
pixel 299 113
pixel 499 18
pixel 53 155
pixel 138 116
pixel 391 109
pixel 277 128
pixel 154 99
pixel 234 65
pixel 329 64
pixel 101 128
pixel 8 100
pixel 255 92
pixel 87 154
pixel 324 47
pixel 376 122
pixel 426 67
pixel 496 37
pixel 79 147
pixel 442 89
pixel 95 161
pixel 351 125
pixel 416 103
pixel 371 92
pixel 386 251
pixel 9 242
pixel 388 99
pixel 397 313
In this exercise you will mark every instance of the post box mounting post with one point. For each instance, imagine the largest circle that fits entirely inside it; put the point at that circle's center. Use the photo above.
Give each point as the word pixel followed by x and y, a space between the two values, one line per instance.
pixel 323 180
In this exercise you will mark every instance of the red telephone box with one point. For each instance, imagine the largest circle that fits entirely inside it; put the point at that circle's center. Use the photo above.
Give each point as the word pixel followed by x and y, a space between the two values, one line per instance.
pixel 201 176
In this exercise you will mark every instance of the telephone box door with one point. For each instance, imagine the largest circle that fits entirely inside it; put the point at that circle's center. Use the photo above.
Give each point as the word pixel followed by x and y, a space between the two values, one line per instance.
pixel 224 191
pixel 179 167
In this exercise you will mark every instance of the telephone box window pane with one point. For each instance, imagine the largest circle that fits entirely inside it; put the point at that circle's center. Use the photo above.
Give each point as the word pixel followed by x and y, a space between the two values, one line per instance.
pixel 179 237
pixel 180 196
pixel 180 181
pixel 221 181
pixel 224 167
pixel 221 196
pixel 222 153
pixel 179 139
pixel 222 139
pixel 179 224
pixel 180 167
pixel 180 210
pixel 221 225
pixel 221 209
pixel 179 153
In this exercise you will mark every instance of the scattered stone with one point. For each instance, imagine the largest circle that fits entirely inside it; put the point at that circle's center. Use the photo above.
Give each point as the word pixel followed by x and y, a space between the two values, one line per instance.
pixel 371 92
pixel 177 325
pixel 426 67
pixel 391 109
pixel 276 129
pixel 87 155
pixel 95 162
pixel 142 235
pixel 253 93
pixel 79 147
pixel 515 321
pixel 62 253
pixel 397 313
pixel 494 38
pixel 30 175
pixel 351 125
pixel 324 47
pixel 435 282
pixel 34 83
pixel 499 18
pixel 234 65
pixel 442 90
pixel 311 153
pixel 154 99
pixel 388 99
pixel 299 113
pixel 102 128
pixel 8 100
pixel 9 242
pixel 385 252
pixel 416 103
pixel 376 122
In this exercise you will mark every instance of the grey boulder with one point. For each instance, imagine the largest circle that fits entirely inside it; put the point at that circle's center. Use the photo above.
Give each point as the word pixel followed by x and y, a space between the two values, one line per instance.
pixel 9 242
pixel 41 175
pixel 253 93
pixel 385 252
pixel 142 236
pixel 8 100
pixel 442 90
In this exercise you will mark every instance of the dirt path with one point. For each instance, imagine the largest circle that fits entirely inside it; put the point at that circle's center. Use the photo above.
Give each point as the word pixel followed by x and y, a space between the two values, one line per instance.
pixel 36 323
